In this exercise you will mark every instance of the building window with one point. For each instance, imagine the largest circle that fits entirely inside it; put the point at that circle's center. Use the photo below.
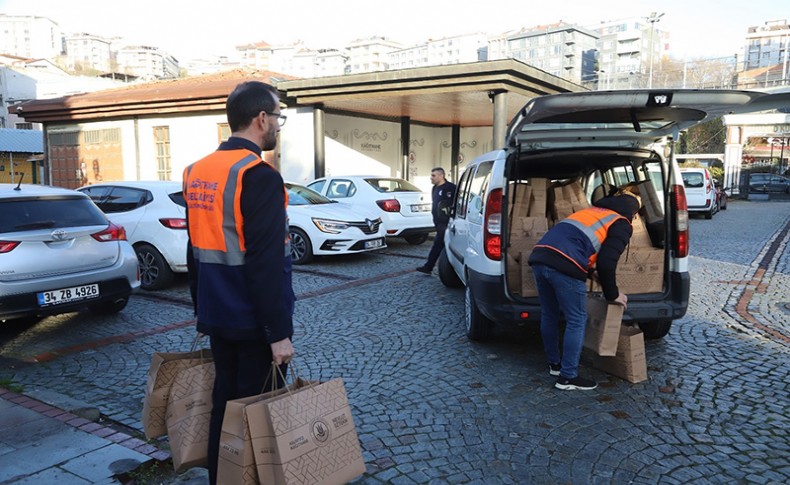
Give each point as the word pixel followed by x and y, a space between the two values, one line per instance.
pixel 223 131
pixel 24 126
pixel 162 141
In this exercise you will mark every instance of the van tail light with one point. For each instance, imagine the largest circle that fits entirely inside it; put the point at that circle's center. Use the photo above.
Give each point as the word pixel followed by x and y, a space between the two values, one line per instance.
pixel 680 244
pixel 112 233
pixel 8 246
pixel 173 223
pixel 389 205
pixel 492 230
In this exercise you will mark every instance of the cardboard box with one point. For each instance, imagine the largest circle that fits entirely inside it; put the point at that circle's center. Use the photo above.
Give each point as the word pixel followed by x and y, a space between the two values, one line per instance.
pixel 651 210
pixel 528 287
pixel 630 362
pixel 537 204
pixel 527 231
pixel 603 325
pixel 640 237
pixel 521 200
pixel 533 226
pixel 641 270
pixel 513 269
pixel 561 209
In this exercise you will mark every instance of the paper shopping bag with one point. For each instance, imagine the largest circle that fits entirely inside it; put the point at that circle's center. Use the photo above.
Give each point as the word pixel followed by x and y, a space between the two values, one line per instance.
pixel 306 436
pixel 188 416
pixel 161 374
pixel 236 463
pixel 603 325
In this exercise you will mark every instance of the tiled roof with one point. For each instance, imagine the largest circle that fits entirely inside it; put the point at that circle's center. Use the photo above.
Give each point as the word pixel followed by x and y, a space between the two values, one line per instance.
pixel 21 141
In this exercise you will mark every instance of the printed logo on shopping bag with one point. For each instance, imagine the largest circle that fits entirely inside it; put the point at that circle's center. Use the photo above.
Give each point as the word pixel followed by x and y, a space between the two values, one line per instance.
pixel 319 429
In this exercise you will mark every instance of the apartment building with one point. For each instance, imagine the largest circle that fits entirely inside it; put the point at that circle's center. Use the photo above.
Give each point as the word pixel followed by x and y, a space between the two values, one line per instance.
pixel 147 62
pixel 89 52
pixel 370 55
pixel 439 52
pixel 561 49
pixel 627 48
pixel 766 45
pixel 30 37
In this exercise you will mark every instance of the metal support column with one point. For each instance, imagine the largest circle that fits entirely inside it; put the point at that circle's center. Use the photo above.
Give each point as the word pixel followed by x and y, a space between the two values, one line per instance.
pixel 499 99
pixel 405 137
pixel 455 151
pixel 319 157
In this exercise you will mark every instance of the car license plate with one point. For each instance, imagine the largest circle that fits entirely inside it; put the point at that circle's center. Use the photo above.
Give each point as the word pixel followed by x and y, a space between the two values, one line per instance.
pixel 65 295
pixel 421 207
pixel 374 243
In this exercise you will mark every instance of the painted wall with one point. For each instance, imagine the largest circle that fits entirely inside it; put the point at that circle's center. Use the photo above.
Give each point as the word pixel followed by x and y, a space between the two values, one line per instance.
pixel 354 146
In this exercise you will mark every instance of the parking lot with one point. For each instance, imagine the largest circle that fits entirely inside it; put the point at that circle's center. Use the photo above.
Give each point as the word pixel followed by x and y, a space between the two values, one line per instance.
pixel 431 406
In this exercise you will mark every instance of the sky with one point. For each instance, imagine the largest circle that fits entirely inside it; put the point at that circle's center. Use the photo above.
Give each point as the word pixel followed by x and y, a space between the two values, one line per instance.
pixel 204 28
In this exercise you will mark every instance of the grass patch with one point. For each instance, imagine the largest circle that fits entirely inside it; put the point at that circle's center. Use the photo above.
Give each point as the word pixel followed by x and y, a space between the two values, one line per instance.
pixel 9 384
pixel 149 473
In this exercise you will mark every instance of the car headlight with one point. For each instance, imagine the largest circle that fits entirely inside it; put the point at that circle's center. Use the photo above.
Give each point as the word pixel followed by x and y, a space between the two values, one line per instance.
pixel 330 226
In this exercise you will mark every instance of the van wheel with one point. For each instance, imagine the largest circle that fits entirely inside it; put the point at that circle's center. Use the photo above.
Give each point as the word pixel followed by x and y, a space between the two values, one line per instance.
pixel 478 327
pixel 655 330
pixel 416 239
pixel 447 274
pixel 155 273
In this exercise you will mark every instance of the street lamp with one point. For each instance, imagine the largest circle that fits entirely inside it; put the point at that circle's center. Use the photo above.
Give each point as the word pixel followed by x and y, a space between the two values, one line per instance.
pixel 654 17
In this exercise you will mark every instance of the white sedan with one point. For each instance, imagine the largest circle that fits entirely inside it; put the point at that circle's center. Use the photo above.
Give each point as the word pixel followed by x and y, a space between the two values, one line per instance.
pixel 154 216
pixel 319 226
pixel 405 210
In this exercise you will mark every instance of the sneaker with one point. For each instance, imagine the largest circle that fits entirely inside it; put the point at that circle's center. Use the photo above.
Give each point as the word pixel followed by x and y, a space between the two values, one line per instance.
pixel 577 383
pixel 554 369
pixel 425 269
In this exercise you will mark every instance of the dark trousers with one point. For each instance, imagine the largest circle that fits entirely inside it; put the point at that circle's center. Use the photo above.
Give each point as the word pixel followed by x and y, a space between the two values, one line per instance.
pixel 438 245
pixel 243 369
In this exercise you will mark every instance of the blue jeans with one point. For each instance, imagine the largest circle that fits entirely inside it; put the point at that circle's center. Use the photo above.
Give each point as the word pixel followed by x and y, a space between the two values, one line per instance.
pixel 557 293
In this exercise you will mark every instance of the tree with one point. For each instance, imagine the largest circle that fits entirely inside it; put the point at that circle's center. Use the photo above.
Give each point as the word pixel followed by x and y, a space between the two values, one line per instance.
pixel 704 138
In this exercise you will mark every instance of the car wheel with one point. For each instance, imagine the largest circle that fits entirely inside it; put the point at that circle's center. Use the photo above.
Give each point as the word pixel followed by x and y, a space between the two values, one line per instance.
pixel 416 239
pixel 301 248
pixel 110 307
pixel 446 272
pixel 655 330
pixel 478 327
pixel 155 273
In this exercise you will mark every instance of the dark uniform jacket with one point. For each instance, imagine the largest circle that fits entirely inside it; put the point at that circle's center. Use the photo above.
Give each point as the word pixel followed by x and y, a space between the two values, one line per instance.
pixel 566 249
pixel 254 299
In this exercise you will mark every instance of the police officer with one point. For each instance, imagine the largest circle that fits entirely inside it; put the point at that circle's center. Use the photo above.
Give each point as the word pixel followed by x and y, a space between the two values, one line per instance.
pixel 592 238
pixel 442 197
pixel 239 259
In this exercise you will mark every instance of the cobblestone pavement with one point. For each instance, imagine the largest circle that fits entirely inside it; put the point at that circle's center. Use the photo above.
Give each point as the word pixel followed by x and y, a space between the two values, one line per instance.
pixel 430 406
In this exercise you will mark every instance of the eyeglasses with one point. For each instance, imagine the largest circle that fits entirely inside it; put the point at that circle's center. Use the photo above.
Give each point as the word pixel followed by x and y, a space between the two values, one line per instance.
pixel 281 118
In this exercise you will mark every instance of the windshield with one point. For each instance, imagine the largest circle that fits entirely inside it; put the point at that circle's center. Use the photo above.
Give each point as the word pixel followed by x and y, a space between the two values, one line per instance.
pixel 392 185
pixel 298 195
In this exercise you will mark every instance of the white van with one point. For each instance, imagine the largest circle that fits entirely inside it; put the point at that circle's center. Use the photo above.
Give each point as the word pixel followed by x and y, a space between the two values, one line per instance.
pixel 700 191
pixel 562 153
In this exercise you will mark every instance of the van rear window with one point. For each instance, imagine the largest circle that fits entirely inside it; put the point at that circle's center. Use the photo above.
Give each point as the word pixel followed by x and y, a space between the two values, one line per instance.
pixel 693 180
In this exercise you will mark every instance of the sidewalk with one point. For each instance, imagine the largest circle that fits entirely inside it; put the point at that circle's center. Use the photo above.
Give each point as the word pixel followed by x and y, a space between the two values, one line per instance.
pixel 40 443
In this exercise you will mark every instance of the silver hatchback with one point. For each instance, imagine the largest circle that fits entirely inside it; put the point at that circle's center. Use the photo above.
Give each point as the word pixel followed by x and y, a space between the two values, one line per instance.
pixel 59 253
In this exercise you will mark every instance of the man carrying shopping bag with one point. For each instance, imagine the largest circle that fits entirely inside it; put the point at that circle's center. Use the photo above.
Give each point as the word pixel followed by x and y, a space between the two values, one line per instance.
pixel 239 255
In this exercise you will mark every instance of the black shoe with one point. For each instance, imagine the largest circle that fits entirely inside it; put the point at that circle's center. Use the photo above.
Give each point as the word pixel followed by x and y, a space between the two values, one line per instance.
pixel 575 384
pixel 554 369
pixel 425 269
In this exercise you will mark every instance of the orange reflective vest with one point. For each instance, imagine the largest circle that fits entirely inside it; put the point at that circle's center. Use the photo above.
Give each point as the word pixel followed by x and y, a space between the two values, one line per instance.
pixel 212 191
pixel 579 237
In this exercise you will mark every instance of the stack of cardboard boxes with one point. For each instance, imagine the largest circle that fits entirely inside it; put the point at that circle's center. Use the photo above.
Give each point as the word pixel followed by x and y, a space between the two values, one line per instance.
pixel 536 206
